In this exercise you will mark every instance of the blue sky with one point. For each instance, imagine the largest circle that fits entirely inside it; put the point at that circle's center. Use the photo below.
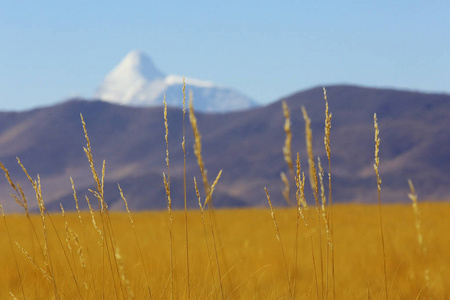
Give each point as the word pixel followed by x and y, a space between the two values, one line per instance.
pixel 52 50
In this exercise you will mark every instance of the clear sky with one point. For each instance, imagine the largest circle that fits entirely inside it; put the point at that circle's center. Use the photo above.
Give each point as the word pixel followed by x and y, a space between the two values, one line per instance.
pixel 52 50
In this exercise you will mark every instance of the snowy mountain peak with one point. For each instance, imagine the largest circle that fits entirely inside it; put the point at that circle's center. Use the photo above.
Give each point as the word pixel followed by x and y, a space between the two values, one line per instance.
pixel 136 81
pixel 138 62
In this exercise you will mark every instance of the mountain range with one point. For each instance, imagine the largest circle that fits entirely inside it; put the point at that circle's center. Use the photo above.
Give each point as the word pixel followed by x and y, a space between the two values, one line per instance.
pixel 136 81
pixel 246 145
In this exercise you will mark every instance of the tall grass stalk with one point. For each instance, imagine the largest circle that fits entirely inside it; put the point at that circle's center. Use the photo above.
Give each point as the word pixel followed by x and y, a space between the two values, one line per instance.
pixel 109 248
pixel 123 278
pixel 80 219
pixel 211 222
pixel 43 212
pixel 137 241
pixel 14 253
pixel 286 189
pixel 67 231
pixel 71 269
pixel 202 207
pixel 376 167
pixel 183 145
pixel 278 236
pixel 198 144
pixel 100 243
pixel 198 154
pixel 413 196
pixel 19 198
pixel 205 233
pixel 23 202
pixel 327 143
pixel 40 269
pixel 88 153
pixel 287 153
pixel 169 200
pixel 113 247
pixel 109 244
pixel 111 238
pixel 299 214
pixel 78 248
pixel 314 186
pixel 303 211
pixel 418 224
pixel 47 256
pixel 325 220
pixel 36 184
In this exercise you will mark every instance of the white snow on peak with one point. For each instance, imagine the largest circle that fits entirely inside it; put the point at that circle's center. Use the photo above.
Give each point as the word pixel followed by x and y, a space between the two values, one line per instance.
pixel 138 63
pixel 136 81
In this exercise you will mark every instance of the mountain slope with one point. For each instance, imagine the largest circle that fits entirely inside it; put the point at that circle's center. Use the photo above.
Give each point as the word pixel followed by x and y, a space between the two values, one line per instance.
pixel 136 81
pixel 247 145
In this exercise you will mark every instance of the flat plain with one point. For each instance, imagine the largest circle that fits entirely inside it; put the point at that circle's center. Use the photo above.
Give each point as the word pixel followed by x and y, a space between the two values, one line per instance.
pixel 249 256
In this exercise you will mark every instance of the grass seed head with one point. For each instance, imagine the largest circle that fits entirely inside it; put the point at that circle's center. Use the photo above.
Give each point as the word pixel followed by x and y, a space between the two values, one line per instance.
pixel 327 126
pixel 309 147
pixel 286 189
pixel 197 143
pixel 377 151
pixel 287 144
pixel 208 198
pixel 413 196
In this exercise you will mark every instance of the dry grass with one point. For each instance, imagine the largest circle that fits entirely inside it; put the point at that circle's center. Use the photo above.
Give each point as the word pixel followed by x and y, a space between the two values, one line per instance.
pixel 380 214
pixel 329 252
pixel 250 244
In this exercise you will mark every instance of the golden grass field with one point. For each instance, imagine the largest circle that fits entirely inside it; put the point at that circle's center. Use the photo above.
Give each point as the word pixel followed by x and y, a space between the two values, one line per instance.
pixel 306 251
pixel 255 268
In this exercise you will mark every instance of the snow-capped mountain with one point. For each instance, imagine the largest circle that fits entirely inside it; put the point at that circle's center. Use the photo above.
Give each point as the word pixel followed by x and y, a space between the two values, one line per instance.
pixel 135 81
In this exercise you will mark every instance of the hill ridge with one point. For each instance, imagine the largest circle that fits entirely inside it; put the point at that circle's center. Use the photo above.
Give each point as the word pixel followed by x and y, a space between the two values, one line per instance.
pixel 247 145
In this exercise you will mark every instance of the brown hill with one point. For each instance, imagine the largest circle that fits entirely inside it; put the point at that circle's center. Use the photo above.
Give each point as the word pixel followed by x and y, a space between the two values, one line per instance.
pixel 415 131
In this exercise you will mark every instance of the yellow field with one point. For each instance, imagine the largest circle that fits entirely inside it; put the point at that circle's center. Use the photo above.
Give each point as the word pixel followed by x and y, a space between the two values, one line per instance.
pixel 250 261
